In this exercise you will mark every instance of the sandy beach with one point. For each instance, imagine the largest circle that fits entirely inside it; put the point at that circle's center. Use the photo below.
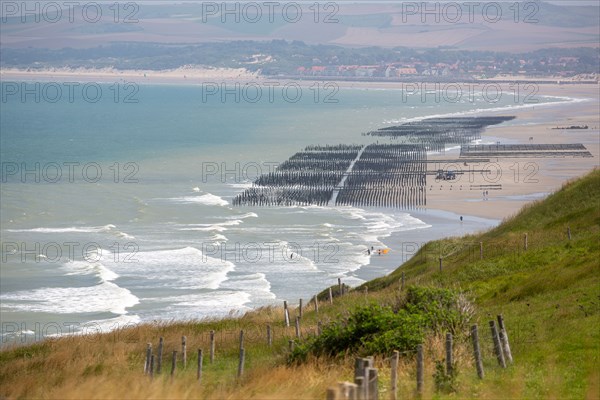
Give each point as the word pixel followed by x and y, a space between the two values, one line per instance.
pixel 522 179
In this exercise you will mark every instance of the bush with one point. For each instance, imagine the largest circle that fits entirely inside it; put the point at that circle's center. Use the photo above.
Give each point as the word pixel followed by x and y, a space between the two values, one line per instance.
pixel 380 329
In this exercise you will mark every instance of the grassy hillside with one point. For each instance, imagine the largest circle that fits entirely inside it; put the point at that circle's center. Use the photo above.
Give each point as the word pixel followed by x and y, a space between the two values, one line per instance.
pixel 548 294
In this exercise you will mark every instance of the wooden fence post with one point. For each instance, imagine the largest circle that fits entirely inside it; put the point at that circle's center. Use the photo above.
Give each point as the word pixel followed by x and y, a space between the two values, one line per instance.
pixel 300 308
pixel 481 250
pixel 148 355
pixel 525 242
pixel 497 345
pixel 340 286
pixel 316 304
pixel 319 328
pixel 332 393
pixel 330 296
pixel 371 383
pixel 394 377
pixel 504 339
pixel 212 346
pixel 286 314
pixel 348 390
pixel 291 345
pixel 160 355
pixel 477 351
pixel 440 264
pixel 269 336
pixel 241 363
pixel 449 355
pixel 297 326
pixel 184 351
pixel 152 366
pixel 173 363
pixel 199 373
pixel 241 339
pixel 420 369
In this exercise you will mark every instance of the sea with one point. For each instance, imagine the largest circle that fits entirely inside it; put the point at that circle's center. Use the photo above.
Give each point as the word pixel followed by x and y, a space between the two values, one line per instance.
pixel 116 200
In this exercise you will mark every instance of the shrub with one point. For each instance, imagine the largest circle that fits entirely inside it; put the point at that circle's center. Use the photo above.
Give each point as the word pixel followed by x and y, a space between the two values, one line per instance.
pixel 380 329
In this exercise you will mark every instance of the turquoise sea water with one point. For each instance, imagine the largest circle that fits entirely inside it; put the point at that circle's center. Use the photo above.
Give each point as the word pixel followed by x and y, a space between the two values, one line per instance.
pixel 116 212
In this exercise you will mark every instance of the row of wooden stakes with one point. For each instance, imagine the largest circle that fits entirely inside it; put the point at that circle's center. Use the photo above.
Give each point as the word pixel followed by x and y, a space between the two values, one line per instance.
pixel 365 386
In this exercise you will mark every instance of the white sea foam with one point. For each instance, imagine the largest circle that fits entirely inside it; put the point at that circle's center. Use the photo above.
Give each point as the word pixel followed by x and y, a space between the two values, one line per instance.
pixel 563 101
pixel 185 268
pixel 71 229
pixel 218 227
pixel 244 216
pixel 218 238
pixel 208 199
pixel 86 268
pixel 104 297
pixel 200 305
pixel 255 284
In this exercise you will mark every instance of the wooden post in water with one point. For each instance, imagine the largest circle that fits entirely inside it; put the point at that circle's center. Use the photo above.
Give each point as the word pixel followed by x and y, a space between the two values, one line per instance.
pixel 212 346
pixel 316 304
pixel 269 337
pixel 330 296
pixel 402 284
pixel 184 351
pixel 420 369
pixel 241 363
pixel 449 355
pixel 297 326
pixel 504 339
pixel 525 242
pixel 173 363
pixel 286 314
pixel 394 377
pixel 497 345
pixel 199 373
pixel 148 355
pixel 477 351
pixel 300 308
pixel 160 355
